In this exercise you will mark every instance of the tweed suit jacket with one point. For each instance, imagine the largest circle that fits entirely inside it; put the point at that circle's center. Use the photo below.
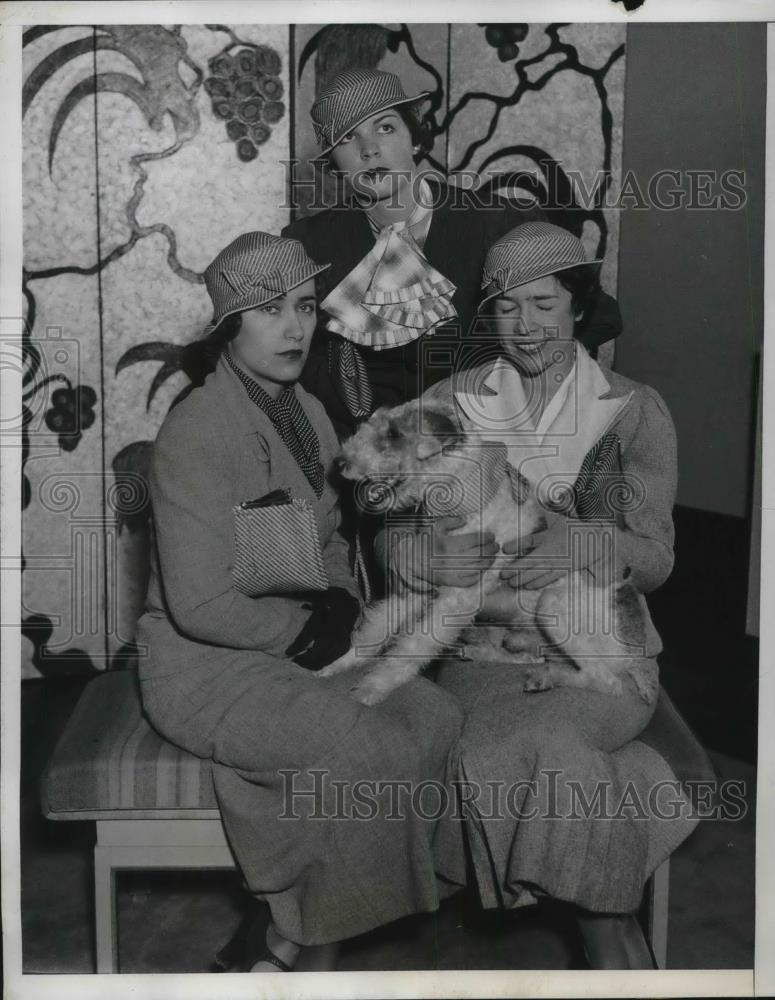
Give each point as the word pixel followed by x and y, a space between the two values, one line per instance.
pixel 216 449
pixel 462 229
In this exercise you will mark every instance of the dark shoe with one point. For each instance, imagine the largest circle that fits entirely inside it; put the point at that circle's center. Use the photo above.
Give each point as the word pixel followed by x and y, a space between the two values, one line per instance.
pixel 269 956
pixel 232 955
pixel 248 939
pixel 614 941
pixel 255 938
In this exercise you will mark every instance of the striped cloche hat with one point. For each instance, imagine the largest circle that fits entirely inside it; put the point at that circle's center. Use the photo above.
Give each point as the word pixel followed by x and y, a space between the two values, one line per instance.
pixel 532 250
pixel 253 269
pixel 350 99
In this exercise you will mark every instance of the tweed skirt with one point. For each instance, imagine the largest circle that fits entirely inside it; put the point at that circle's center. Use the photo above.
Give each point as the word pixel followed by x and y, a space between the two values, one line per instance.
pixel 557 796
pixel 330 806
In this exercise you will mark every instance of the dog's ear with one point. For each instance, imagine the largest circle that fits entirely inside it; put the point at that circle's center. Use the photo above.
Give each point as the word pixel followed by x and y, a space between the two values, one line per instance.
pixel 437 430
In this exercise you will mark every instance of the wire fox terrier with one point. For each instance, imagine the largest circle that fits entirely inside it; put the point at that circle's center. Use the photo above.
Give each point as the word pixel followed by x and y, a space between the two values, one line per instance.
pixel 418 454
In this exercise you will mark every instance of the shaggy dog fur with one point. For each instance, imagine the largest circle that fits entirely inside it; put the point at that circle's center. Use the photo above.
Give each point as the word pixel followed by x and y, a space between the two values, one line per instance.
pixel 417 453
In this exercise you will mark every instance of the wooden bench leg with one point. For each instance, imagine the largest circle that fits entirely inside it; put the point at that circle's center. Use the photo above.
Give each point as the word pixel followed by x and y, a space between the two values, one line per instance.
pixel 105 915
pixel 659 891
pixel 145 845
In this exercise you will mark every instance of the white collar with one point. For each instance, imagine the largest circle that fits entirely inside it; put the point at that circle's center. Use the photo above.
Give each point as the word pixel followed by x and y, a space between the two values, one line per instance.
pixel 556 444
pixel 556 403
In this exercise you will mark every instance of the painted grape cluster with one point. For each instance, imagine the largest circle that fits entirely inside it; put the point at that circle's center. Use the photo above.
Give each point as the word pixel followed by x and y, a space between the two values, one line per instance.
pixel 71 412
pixel 246 90
pixel 505 38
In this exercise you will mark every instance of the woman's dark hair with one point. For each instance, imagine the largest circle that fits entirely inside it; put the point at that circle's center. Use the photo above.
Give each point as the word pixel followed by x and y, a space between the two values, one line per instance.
pixel 419 129
pixel 583 283
pixel 199 358
pixel 214 344
pixel 419 133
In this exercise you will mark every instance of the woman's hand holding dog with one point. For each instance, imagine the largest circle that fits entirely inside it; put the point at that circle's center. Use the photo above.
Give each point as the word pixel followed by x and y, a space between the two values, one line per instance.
pixel 548 555
pixel 451 560
pixel 470 553
pixel 541 558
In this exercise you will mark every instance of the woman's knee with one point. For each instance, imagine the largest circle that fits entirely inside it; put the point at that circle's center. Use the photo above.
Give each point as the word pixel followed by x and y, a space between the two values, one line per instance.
pixel 432 717
pixel 411 737
pixel 519 754
pixel 168 712
pixel 292 725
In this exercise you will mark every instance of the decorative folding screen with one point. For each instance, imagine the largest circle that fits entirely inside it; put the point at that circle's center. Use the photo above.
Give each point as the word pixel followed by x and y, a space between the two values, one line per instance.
pixel 146 149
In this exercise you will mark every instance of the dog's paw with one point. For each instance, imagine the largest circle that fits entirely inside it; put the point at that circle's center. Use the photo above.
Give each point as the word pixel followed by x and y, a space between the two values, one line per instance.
pixel 598 678
pixel 537 680
pixel 647 683
pixel 369 691
pixel 339 666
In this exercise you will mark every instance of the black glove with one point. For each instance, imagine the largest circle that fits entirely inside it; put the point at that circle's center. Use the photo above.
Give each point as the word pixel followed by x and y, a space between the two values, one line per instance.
pixel 326 634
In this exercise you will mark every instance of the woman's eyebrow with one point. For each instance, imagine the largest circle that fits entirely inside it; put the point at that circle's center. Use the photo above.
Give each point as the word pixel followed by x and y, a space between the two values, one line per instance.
pixel 308 298
pixel 387 114
pixel 532 298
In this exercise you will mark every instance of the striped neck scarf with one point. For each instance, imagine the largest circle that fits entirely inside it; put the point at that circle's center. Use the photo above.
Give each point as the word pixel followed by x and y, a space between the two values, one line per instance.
pixel 291 422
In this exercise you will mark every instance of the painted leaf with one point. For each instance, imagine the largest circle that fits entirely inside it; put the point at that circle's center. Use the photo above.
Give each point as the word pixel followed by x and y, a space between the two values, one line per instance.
pixel 154 350
pixel 167 370
pixel 309 49
pixel 119 83
pixel 48 66
pixel 32 33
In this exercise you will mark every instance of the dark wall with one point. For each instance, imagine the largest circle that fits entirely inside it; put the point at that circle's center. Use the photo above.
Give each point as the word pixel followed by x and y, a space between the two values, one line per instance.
pixel 691 281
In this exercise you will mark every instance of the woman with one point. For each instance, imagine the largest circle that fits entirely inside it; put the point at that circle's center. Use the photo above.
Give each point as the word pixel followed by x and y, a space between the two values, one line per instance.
pixel 421 245
pixel 370 131
pixel 228 672
pixel 600 451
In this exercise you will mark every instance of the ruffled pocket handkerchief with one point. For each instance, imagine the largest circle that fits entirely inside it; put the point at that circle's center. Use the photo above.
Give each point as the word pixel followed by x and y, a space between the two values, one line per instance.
pixel 393 296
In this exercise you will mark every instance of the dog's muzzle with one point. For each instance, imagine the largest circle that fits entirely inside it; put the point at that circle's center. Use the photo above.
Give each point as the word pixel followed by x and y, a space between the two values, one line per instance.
pixel 376 496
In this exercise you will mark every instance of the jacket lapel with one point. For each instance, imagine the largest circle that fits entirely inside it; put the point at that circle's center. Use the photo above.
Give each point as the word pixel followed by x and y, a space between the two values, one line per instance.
pixel 250 421
pixel 498 406
pixel 351 239
pixel 437 241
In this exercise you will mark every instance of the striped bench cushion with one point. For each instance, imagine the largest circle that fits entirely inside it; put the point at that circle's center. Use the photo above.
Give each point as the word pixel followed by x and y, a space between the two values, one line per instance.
pixel 110 763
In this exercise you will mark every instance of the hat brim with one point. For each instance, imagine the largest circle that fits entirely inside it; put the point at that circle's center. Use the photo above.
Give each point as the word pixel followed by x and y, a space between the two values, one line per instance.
pixel 542 273
pixel 250 304
pixel 374 111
